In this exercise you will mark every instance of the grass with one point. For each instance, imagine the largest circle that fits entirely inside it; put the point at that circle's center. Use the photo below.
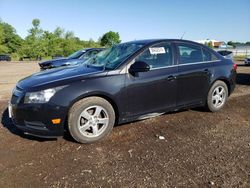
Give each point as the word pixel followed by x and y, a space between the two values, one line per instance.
pixel 240 57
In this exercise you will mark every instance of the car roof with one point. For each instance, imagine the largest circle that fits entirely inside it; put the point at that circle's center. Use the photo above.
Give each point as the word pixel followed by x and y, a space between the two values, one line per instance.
pixel 145 42
pixel 150 41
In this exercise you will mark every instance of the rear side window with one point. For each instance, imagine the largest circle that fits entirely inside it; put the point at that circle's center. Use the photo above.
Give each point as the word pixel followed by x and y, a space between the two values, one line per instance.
pixel 157 56
pixel 189 53
pixel 192 54
pixel 208 56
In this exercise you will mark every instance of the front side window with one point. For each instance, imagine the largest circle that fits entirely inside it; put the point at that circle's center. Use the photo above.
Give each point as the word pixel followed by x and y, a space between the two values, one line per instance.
pixel 157 56
pixel 189 53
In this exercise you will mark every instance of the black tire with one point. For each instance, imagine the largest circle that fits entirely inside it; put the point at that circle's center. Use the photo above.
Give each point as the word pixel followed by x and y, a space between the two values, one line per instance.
pixel 78 108
pixel 210 106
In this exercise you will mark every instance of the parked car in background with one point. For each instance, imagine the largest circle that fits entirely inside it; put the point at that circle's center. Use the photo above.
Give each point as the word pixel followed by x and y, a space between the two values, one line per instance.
pixel 57 57
pixel 130 81
pixel 75 58
pixel 226 53
pixel 247 61
pixel 4 57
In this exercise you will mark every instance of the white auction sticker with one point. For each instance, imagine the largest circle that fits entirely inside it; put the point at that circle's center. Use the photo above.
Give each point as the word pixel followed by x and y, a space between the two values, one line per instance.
pixel 157 50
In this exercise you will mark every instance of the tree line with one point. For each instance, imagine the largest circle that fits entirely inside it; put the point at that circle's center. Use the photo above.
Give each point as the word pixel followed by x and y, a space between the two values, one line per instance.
pixel 41 43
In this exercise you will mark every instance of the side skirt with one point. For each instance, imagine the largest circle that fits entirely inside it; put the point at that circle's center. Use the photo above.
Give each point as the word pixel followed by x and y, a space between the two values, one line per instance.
pixel 155 114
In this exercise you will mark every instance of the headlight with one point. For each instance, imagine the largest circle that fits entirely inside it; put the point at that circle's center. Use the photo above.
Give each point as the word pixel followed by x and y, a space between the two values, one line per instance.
pixel 41 96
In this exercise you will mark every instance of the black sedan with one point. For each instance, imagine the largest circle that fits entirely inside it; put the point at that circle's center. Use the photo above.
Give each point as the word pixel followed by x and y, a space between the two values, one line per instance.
pixel 130 81
pixel 76 58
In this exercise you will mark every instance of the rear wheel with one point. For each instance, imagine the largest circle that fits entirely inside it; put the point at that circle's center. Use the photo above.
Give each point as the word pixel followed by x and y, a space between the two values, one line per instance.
pixel 91 119
pixel 217 96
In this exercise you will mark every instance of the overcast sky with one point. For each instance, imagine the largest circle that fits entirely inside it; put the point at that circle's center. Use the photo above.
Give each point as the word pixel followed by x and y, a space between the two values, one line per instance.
pixel 134 19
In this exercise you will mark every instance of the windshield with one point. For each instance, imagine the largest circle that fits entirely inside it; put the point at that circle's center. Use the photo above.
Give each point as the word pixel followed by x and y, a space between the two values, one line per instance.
pixel 76 55
pixel 112 57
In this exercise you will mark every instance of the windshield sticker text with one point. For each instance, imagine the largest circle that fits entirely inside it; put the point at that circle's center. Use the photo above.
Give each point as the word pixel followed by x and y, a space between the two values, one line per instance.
pixel 157 50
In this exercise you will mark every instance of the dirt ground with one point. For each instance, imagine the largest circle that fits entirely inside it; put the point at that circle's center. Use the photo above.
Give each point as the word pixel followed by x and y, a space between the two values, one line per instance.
pixel 200 149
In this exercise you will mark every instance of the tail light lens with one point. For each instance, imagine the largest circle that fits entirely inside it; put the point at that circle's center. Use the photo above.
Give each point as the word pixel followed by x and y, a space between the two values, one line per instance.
pixel 235 66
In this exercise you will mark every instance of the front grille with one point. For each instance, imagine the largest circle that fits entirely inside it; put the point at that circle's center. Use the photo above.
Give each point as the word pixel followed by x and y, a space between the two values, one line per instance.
pixel 35 125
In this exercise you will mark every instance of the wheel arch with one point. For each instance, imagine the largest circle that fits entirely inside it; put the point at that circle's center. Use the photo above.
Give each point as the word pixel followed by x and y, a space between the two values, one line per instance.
pixel 101 95
pixel 226 81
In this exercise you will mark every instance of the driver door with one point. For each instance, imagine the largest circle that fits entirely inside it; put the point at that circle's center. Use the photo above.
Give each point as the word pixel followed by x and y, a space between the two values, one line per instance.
pixel 154 90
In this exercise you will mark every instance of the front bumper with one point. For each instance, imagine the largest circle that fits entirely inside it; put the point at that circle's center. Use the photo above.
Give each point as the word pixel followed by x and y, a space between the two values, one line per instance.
pixel 36 119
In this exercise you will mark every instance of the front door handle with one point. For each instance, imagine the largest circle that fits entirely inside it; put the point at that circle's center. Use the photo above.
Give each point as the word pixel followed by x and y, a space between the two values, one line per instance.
pixel 171 78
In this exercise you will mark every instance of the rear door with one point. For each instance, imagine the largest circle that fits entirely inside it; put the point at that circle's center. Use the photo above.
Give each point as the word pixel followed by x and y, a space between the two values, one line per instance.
pixel 156 89
pixel 194 72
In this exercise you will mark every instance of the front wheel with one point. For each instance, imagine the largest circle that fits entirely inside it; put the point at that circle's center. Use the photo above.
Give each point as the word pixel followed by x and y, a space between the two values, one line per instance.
pixel 91 119
pixel 217 96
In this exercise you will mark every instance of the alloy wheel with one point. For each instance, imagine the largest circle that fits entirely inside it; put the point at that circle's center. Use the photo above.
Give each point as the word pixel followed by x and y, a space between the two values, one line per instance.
pixel 218 96
pixel 93 121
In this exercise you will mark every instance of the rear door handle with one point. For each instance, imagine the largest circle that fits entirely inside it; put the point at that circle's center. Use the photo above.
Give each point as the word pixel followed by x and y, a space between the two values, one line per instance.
pixel 171 78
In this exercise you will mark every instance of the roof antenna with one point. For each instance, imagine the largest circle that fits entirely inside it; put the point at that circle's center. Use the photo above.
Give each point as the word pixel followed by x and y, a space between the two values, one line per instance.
pixel 183 35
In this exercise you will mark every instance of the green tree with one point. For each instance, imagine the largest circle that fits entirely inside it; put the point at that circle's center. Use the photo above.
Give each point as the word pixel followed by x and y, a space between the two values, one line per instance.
pixel 40 43
pixel 69 35
pixel 3 48
pixel 231 43
pixel 210 44
pixel 59 32
pixel 10 42
pixel 48 41
pixel 110 38
pixel 34 45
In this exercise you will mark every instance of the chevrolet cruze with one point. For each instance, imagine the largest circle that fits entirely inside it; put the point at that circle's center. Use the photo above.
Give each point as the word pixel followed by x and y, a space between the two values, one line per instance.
pixel 130 81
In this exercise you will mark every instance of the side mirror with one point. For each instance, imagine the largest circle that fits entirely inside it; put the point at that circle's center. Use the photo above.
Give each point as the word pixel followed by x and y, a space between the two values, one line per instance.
pixel 139 66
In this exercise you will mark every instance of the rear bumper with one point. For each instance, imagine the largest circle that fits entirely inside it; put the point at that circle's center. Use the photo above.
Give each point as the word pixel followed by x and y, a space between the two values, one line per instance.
pixel 232 82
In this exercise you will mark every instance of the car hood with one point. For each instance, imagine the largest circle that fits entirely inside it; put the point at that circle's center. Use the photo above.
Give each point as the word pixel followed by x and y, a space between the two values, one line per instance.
pixel 57 62
pixel 51 76
pixel 53 61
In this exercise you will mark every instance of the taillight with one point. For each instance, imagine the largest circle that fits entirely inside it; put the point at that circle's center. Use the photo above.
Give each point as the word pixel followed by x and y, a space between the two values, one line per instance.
pixel 235 66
